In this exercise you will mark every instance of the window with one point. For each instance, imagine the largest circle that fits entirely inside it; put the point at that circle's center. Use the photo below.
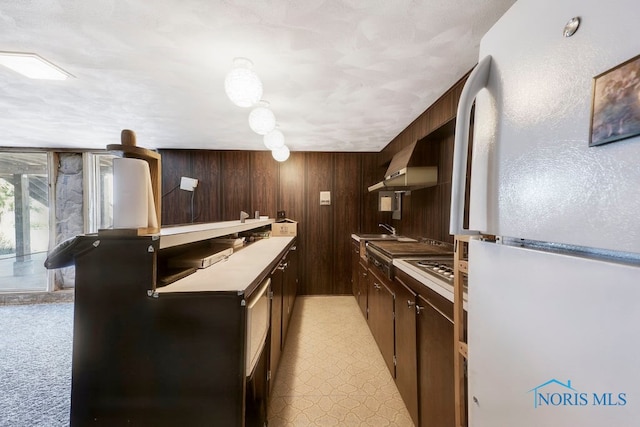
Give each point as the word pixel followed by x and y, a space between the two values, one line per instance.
pixel 24 221
pixel 33 221
pixel 99 198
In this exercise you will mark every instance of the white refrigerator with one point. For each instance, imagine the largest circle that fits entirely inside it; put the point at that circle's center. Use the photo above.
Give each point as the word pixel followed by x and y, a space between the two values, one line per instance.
pixel 554 305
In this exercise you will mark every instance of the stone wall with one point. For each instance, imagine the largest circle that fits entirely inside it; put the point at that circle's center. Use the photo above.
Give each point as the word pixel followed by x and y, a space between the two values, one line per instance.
pixel 69 206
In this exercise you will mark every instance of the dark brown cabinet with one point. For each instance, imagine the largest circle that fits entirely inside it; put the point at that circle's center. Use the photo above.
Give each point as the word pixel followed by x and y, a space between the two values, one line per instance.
pixel 290 288
pixel 435 361
pixel 284 283
pixel 277 276
pixel 173 359
pixel 359 277
pixel 413 327
pixel 362 296
pixel 406 344
pixel 381 316
pixel 355 260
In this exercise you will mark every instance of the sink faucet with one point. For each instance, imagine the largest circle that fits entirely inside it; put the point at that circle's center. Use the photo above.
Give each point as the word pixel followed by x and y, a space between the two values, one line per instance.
pixel 389 228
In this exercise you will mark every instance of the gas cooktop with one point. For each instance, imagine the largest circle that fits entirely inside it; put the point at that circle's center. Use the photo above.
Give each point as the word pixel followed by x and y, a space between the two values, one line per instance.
pixel 382 253
pixel 440 268
pixel 397 249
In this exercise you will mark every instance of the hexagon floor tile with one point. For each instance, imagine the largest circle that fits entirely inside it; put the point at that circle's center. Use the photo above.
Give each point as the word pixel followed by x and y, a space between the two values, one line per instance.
pixel 331 372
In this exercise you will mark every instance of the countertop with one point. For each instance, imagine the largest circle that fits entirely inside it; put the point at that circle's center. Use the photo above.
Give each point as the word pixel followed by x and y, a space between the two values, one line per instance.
pixel 357 238
pixel 181 234
pixel 439 286
pixel 239 272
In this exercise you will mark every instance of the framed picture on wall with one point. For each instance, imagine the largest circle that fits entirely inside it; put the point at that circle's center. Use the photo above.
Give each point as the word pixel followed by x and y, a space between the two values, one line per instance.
pixel 615 108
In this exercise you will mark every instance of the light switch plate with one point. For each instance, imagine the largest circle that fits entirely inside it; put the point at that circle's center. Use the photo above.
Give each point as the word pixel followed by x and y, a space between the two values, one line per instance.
pixel 325 198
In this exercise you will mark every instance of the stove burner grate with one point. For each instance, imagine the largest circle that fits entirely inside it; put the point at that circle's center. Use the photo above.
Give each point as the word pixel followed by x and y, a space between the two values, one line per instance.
pixel 437 267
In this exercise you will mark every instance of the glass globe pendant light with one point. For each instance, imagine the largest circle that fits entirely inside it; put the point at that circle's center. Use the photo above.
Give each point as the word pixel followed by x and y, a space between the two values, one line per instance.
pixel 274 139
pixel 280 154
pixel 242 84
pixel 261 119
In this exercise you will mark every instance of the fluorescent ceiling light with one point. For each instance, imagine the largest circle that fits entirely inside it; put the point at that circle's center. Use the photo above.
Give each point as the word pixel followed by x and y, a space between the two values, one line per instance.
pixel 33 66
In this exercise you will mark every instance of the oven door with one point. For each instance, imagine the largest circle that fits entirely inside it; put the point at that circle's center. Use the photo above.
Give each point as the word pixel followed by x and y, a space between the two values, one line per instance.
pixel 257 324
pixel 257 360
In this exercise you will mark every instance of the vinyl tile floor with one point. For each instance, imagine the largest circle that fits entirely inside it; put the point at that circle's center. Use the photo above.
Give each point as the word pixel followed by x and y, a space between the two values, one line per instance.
pixel 331 372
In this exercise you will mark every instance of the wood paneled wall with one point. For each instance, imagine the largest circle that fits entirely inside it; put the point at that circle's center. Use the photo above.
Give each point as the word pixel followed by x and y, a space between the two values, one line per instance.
pixel 425 212
pixel 234 181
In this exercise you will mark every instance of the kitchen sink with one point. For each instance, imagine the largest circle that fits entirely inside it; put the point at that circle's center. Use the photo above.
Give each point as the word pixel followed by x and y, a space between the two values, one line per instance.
pixel 365 236
pixel 377 236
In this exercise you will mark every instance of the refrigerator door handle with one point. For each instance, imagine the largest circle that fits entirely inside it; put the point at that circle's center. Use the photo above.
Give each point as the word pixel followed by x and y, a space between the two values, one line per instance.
pixel 475 83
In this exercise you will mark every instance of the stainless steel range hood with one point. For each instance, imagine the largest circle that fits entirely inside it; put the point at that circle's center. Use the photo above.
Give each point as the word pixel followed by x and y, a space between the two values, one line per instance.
pixel 400 176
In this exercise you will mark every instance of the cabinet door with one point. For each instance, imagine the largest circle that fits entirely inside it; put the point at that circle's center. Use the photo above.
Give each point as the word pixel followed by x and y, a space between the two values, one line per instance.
pixel 276 320
pixel 290 288
pixel 435 363
pixel 406 345
pixel 381 321
pixel 355 263
pixel 363 288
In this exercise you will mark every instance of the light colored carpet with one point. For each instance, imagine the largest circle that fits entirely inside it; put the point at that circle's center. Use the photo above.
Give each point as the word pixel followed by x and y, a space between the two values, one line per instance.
pixel 35 364
pixel 331 372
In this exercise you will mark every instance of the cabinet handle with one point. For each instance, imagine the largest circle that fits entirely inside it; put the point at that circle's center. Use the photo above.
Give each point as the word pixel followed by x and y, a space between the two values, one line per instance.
pixel 419 308
pixel 377 286
pixel 410 303
pixel 282 266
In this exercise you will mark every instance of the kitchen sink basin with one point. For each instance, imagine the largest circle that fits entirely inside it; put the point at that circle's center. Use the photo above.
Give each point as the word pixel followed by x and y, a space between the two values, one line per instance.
pixel 377 236
pixel 365 236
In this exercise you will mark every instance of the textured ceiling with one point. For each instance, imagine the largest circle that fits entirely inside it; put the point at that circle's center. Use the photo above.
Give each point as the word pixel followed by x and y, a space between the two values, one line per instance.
pixel 340 75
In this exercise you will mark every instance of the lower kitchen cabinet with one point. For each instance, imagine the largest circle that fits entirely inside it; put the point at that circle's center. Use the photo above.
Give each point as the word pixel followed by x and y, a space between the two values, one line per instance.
pixel 284 283
pixel 381 316
pixel 423 343
pixel 362 295
pixel 289 288
pixel 406 345
pixel 277 276
pixel 359 275
pixel 435 360
pixel 355 260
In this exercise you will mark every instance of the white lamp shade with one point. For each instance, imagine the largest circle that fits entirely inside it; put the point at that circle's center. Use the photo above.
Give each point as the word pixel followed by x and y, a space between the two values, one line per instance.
pixel 262 120
pixel 274 139
pixel 242 85
pixel 280 154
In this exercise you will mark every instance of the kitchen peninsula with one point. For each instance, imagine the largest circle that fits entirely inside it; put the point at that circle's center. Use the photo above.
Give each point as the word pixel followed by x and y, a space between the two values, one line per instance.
pixel 193 352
